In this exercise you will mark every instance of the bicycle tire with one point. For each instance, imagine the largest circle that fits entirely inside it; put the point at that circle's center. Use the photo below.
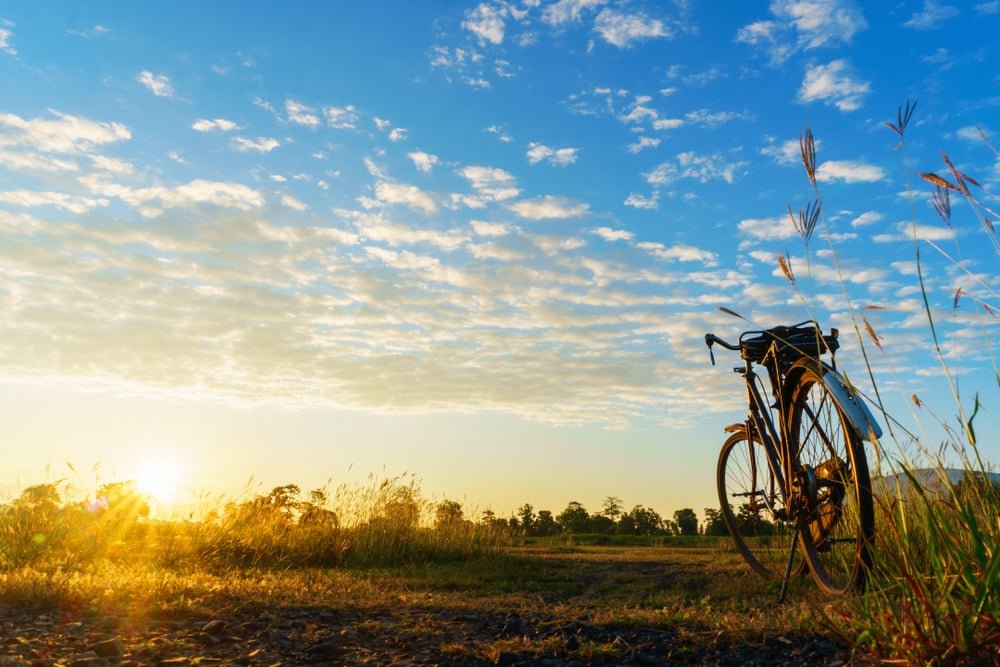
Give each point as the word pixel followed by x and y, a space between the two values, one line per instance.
pixel 743 473
pixel 836 509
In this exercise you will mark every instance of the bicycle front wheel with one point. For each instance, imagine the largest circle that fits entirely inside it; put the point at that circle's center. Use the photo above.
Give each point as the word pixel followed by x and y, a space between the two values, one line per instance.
pixel 752 506
pixel 836 510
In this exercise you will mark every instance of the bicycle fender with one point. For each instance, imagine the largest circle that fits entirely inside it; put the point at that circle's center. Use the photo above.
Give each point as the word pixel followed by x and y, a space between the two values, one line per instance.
pixel 854 408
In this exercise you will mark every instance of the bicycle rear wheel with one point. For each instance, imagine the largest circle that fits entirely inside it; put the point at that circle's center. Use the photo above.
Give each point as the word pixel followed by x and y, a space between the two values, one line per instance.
pixel 752 506
pixel 838 517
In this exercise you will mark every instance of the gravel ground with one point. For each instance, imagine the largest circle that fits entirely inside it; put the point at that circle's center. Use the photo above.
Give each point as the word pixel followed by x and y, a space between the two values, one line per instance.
pixel 404 635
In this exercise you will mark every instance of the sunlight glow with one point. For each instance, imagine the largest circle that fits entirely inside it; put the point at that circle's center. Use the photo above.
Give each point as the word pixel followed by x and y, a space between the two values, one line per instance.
pixel 159 478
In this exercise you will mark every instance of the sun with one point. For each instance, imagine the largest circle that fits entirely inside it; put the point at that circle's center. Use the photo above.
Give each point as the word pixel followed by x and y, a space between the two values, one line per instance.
pixel 159 478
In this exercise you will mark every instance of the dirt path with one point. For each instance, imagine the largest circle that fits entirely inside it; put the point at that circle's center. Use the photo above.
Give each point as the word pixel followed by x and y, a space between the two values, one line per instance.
pixel 598 607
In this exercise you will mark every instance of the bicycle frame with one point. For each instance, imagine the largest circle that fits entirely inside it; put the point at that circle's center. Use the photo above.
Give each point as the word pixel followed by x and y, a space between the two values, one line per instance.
pixel 760 424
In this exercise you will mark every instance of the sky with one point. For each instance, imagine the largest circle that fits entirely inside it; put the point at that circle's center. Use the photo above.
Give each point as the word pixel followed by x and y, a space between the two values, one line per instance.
pixel 476 243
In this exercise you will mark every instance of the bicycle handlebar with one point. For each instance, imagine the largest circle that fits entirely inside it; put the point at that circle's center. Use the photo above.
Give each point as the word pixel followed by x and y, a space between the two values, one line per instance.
pixel 711 338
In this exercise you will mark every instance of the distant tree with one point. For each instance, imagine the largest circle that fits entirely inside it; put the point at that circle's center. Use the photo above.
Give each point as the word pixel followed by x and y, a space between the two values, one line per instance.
pixel 42 498
pixel 626 524
pixel 313 512
pixel 448 514
pixel 645 521
pixel 526 513
pixel 602 525
pixel 751 522
pixel 121 501
pixel 574 519
pixel 545 524
pixel 612 508
pixel 401 508
pixel 714 524
pixel 687 521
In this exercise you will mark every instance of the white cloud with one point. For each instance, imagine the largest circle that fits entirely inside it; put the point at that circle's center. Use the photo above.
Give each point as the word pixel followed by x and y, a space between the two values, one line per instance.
pixel 787 152
pixel 483 228
pixel 376 228
pixel 905 231
pixel 833 84
pixel 564 11
pixel 423 161
pixel 300 114
pixel 293 203
pixel 64 134
pixel 549 207
pixel 849 171
pixel 152 201
pixel 821 22
pixel 971 132
pixel 96 31
pixel 932 16
pixel 758 32
pixel 991 7
pixel 866 218
pixel 158 84
pixel 556 156
pixel 494 251
pixel 640 202
pixel 766 229
pixel 623 30
pixel 486 22
pixel 111 165
pixel 609 234
pixel 643 143
pixel 25 160
pixel 32 199
pixel 667 123
pixel 5 42
pixel 381 123
pixel 680 253
pixel 490 184
pixel 217 124
pixel 501 135
pixel 803 25
pixel 397 134
pixel 341 118
pixel 402 260
pixel 408 195
pixel 261 145
pixel 707 118
pixel 689 164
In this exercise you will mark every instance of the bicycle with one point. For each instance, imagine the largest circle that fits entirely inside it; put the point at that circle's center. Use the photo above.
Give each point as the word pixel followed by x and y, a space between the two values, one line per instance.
pixel 794 473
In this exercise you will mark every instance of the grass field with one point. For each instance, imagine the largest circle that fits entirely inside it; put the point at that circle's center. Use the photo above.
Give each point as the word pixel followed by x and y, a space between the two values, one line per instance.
pixel 692 603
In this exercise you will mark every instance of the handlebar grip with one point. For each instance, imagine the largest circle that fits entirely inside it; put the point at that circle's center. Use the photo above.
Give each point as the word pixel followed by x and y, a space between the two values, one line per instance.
pixel 711 338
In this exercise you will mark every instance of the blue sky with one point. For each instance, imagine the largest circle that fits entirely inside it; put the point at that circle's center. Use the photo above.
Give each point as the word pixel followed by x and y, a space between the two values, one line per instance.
pixel 478 242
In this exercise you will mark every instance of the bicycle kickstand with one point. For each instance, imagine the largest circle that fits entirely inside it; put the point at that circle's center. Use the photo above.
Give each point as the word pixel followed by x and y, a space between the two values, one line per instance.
pixel 788 566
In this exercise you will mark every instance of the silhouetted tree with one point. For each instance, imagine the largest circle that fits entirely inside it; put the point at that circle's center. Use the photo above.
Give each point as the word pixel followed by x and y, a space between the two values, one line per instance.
pixel 602 524
pixel 714 523
pixel 574 519
pixel 448 514
pixel 612 508
pixel 687 521
pixel 545 524
pixel 526 513
pixel 646 521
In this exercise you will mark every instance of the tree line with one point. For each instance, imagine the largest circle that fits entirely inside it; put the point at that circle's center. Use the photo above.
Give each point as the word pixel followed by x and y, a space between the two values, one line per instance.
pixel 611 519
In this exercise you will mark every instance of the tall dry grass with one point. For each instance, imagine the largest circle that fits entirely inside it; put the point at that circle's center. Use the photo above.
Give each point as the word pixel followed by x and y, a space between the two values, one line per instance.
pixel 382 523
pixel 933 594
